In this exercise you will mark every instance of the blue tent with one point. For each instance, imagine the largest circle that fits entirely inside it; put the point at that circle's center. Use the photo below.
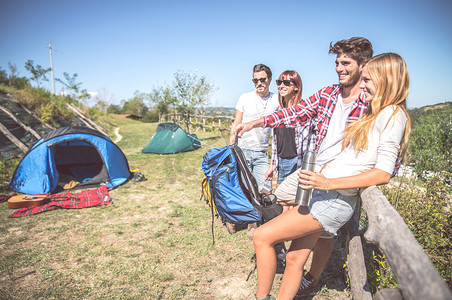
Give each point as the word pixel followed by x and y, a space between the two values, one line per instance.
pixel 84 154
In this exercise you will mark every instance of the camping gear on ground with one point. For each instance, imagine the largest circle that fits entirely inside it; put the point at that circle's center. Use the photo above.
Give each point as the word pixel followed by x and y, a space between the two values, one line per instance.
pixel 170 138
pixel 86 198
pixel 231 189
pixel 84 155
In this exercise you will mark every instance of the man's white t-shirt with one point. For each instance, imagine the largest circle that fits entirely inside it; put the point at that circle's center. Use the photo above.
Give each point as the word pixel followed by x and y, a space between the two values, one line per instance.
pixel 253 108
pixel 332 144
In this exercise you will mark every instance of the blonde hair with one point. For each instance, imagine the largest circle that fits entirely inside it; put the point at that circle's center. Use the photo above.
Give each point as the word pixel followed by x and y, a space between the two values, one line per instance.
pixel 389 73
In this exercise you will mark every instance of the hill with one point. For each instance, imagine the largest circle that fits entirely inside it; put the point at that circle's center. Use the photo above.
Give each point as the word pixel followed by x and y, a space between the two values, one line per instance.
pixel 220 111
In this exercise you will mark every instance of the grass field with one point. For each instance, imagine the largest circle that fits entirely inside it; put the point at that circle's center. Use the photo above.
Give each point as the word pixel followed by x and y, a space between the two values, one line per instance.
pixel 154 242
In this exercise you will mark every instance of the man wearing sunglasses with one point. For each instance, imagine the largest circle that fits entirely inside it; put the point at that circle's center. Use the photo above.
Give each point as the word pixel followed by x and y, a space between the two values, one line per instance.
pixel 251 106
pixel 332 108
pixel 254 144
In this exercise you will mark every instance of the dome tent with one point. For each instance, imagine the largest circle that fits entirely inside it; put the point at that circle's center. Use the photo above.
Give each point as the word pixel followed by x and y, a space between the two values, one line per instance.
pixel 169 138
pixel 77 152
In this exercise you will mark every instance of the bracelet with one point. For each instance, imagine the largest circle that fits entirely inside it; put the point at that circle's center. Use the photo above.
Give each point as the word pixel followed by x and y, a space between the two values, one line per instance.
pixel 327 185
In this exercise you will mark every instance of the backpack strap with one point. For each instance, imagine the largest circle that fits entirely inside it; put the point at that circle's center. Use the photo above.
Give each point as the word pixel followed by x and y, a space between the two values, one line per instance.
pixel 246 179
pixel 206 193
pixel 213 215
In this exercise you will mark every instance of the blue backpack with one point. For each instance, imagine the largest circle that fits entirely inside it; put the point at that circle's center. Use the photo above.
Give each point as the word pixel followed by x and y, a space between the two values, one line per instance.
pixel 231 189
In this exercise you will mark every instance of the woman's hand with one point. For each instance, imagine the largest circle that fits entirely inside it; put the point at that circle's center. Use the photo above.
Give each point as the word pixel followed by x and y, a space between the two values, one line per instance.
pixel 312 180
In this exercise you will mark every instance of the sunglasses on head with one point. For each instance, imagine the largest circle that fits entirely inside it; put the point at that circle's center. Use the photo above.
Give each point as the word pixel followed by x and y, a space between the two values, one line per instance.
pixel 262 80
pixel 285 82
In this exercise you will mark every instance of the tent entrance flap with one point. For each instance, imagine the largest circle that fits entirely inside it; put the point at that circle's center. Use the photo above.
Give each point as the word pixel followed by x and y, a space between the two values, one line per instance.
pixel 80 161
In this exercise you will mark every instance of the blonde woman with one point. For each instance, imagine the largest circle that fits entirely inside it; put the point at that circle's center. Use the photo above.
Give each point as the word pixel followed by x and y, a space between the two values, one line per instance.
pixel 371 148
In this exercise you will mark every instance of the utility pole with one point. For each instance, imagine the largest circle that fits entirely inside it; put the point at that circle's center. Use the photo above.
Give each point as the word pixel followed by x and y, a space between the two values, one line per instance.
pixel 51 67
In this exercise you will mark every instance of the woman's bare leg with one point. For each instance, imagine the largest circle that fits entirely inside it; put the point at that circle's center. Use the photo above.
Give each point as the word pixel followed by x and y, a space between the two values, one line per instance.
pixel 291 225
pixel 296 258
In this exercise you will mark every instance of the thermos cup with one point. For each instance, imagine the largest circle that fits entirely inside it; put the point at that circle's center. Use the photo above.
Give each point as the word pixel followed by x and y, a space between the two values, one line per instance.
pixel 303 195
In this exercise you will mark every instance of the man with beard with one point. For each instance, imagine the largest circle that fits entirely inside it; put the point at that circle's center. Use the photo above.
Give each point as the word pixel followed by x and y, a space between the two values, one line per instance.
pixel 254 144
pixel 251 106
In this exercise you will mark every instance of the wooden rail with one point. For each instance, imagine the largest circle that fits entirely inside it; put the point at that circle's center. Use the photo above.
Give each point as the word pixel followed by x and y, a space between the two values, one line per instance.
pixel 416 275
pixel 88 122
pixel 200 121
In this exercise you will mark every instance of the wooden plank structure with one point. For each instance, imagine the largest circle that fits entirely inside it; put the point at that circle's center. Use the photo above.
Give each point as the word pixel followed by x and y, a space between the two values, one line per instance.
pixel 13 139
pixel 415 274
pixel 37 118
pixel 27 128
pixel 89 123
pixel 13 113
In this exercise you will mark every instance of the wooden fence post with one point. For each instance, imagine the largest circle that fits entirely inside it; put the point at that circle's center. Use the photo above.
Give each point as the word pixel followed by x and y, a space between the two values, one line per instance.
pixel 416 275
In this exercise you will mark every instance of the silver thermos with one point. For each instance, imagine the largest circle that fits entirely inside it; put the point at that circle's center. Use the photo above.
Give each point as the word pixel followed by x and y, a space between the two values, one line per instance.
pixel 303 195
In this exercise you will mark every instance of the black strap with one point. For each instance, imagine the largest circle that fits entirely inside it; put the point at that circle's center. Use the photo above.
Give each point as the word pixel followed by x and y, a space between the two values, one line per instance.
pixel 246 179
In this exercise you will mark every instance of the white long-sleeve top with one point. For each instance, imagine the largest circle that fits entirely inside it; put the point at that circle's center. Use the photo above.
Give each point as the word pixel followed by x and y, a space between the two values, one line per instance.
pixel 384 140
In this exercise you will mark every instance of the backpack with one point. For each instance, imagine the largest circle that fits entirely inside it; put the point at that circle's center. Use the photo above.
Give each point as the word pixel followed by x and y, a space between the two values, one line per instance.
pixel 231 190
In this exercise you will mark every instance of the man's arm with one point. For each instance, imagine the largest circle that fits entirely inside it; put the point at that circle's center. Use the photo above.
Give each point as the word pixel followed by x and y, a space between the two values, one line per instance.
pixel 292 116
pixel 238 119
pixel 244 127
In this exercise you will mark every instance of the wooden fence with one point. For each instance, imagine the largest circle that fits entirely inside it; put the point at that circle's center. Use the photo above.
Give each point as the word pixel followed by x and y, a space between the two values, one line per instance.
pixel 415 274
pixel 220 123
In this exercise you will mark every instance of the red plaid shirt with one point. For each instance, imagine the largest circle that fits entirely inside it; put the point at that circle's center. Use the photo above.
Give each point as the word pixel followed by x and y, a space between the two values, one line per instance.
pixel 318 108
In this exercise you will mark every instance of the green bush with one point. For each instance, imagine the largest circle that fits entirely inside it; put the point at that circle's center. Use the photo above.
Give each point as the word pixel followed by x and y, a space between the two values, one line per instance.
pixel 379 274
pixel 427 212
pixel 7 168
pixel 430 145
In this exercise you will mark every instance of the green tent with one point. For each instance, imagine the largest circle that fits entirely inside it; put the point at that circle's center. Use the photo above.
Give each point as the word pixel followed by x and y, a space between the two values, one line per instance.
pixel 170 138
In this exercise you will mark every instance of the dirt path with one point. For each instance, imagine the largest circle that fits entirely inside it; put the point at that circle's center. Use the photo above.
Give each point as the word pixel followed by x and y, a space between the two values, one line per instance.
pixel 118 136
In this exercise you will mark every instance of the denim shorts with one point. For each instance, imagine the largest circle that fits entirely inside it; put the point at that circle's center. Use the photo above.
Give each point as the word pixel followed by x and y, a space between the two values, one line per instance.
pixel 331 209
pixel 286 166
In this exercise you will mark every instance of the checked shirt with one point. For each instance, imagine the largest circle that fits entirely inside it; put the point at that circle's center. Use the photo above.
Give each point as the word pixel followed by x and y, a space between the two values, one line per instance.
pixel 318 108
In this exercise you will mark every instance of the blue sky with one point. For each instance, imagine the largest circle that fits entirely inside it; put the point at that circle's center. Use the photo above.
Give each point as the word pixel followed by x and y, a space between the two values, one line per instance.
pixel 118 47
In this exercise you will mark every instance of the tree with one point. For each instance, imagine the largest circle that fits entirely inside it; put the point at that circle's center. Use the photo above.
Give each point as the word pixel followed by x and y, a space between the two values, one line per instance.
pixel 191 91
pixel 3 77
pixel 101 106
pixel 135 105
pixel 163 98
pixel 203 89
pixel 14 73
pixel 103 100
pixel 14 80
pixel 114 109
pixel 38 72
pixel 74 87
